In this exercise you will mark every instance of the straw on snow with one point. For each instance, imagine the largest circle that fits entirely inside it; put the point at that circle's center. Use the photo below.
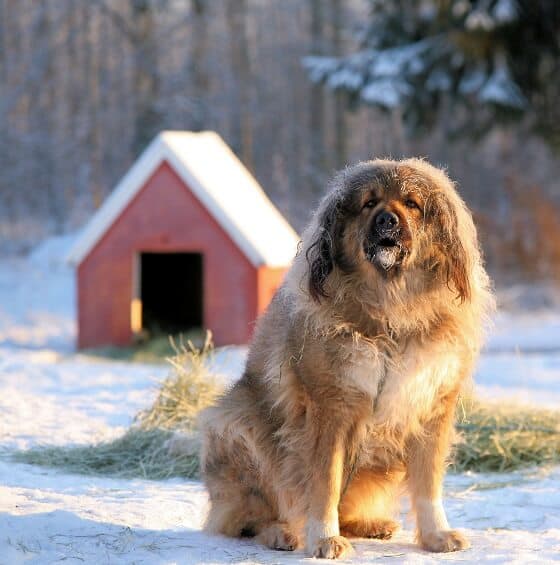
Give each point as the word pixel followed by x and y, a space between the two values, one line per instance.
pixel 492 437
pixel 188 389
pixel 497 437
pixel 145 449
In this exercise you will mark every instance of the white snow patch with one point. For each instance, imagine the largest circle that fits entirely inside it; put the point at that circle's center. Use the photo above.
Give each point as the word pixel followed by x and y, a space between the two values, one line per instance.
pixel 472 81
pixel 37 298
pixel 50 398
pixel 50 255
pixel 46 517
pixel 531 332
pixel 387 92
pixel 501 89
pixel 480 20
pixel 505 11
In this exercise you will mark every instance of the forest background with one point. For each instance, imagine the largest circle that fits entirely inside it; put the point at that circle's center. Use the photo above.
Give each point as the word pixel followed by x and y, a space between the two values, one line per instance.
pixel 298 88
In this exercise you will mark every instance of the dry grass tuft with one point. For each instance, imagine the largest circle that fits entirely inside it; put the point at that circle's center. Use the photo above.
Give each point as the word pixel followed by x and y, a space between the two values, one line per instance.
pixel 498 437
pixel 187 390
pixel 144 450
pixel 138 453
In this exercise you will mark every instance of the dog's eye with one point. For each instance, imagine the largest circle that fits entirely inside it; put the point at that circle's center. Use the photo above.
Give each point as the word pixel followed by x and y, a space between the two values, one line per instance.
pixel 370 203
pixel 411 204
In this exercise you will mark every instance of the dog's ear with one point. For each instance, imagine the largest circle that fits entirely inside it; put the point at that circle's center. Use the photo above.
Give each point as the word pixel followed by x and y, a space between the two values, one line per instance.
pixel 457 261
pixel 320 254
pixel 457 271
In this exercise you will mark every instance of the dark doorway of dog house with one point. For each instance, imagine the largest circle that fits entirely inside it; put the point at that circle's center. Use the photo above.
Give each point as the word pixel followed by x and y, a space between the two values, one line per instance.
pixel 171 292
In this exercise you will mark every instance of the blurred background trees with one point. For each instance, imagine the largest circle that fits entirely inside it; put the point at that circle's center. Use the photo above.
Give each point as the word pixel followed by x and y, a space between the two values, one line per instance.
pixel 473 64
pixel 298 88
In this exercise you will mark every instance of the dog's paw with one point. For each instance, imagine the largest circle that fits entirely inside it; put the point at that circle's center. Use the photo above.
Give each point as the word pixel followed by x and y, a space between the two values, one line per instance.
pixel 444 541
pixel 380 528
pixel 278 536
pixel 334 547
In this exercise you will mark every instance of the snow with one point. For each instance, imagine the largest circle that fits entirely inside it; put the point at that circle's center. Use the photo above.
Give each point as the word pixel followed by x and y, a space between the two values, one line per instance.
pixel 37 298
pixel 480 20
pixel 505 11
pixel 319 67
pixel 54 517
pixel 387 92
pixel 50 394
pixel 460 8
pixel 439 80
pixel 501 89
pixel 392 61
pixel 379 74
pixel 472 81
pixel 345 78
pixel 522 378
pixel 48 397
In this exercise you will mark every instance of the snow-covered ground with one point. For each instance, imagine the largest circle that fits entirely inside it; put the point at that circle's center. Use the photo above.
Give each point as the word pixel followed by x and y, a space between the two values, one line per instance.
pixel 49 394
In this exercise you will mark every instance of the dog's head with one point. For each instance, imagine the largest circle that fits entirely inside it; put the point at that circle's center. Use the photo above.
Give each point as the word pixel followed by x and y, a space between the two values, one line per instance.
pixel 389 221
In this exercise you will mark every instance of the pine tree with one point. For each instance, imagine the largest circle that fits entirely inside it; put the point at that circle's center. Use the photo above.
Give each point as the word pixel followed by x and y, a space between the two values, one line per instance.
pixel 483 60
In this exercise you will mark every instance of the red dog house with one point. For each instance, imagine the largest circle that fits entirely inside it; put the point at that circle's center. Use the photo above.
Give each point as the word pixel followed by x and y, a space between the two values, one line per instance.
pixel 187 239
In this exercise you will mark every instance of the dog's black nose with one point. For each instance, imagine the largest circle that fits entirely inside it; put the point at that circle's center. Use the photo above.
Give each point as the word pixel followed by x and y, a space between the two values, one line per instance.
pixel 386 221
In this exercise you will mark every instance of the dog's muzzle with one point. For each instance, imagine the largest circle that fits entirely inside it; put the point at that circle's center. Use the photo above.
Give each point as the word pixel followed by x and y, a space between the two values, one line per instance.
pixel 383 246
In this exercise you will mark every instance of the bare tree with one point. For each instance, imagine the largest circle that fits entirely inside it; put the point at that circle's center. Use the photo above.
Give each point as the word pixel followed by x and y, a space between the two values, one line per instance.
pixel 146 79
pixel 340 97
pixel 198 63
pixel 318 157
pixel 237 18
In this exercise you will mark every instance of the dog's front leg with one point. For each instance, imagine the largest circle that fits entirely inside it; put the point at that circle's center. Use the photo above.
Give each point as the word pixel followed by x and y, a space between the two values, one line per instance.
pixel 327 466
pixel 425 469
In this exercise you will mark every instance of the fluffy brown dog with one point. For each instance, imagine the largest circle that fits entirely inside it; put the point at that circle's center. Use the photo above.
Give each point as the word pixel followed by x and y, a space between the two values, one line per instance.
pixel 354 371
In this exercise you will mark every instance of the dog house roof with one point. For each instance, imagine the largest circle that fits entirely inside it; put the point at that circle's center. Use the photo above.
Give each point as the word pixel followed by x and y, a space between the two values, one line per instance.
pixel 220 181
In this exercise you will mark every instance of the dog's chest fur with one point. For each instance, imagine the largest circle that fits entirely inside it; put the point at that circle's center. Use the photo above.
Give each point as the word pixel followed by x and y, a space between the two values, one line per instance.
pixel 403 389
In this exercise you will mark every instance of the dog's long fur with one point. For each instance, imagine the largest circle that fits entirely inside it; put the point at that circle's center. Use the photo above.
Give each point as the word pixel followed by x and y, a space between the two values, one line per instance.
pixel 353 375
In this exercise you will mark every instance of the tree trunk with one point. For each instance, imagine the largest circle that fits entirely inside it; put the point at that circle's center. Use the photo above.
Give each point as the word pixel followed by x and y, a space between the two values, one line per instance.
pixel 319 166
pixel 42 134
pixel 146 79
pixel 241 64
pixel 340 96
pixel 198 63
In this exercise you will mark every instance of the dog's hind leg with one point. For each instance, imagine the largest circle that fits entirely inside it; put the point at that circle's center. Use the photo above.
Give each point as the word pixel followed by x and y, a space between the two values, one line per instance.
pixel 367 507
pixel 239 506
pixel 242 503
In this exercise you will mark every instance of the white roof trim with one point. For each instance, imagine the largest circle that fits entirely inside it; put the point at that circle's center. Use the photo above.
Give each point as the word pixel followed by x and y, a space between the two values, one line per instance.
pixel 223 185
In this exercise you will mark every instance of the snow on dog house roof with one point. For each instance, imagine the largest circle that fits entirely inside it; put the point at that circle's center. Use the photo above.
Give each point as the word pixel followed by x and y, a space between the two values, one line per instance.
pixel 220 181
